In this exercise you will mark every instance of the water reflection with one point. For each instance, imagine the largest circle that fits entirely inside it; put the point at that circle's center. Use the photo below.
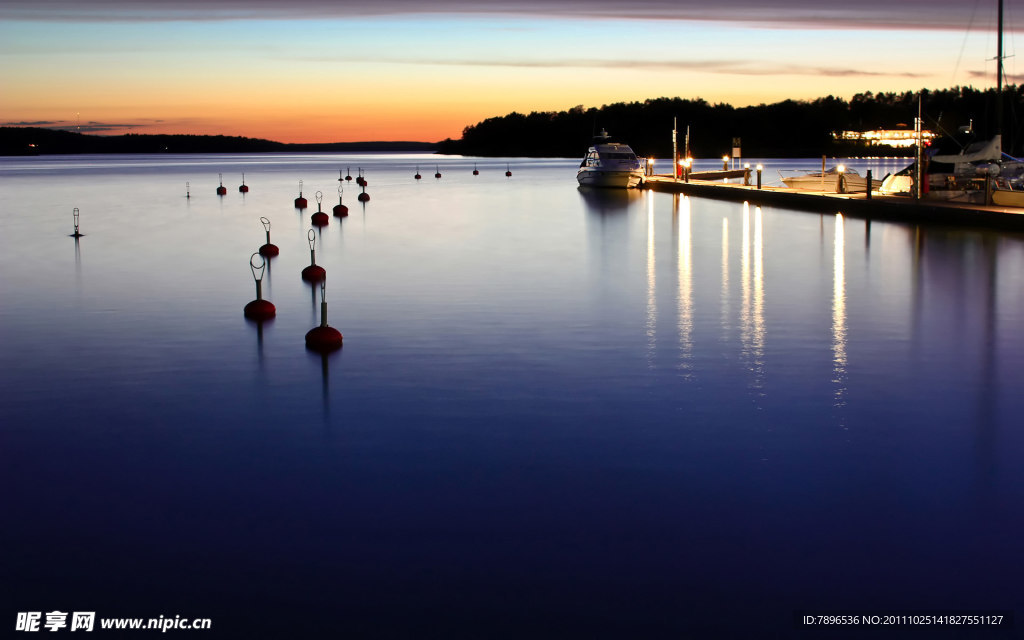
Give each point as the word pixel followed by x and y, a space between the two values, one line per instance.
pixel 608 201
pixel 839 314
pixel 684 260
pixel 725 279
pixel 652 294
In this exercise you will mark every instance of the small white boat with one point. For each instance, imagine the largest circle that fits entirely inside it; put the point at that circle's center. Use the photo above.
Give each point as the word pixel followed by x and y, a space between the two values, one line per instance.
pixel 610 164
pixel 834 180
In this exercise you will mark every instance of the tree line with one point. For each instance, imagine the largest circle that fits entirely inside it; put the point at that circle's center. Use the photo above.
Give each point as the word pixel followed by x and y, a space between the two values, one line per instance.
pixel 791 128
pixel 36 140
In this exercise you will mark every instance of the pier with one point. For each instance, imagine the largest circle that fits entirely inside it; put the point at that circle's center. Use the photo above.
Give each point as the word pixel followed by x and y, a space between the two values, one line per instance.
pixel 877 207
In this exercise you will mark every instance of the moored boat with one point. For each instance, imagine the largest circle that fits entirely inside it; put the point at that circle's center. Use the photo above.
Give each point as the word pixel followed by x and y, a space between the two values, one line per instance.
pixel 610 164
pixel 837 179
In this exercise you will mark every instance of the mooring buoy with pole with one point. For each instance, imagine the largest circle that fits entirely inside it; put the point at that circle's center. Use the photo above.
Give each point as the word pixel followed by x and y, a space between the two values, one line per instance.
pixel 300 202
pixel 340 210
pixel 75 214
pixel 221 190
pixel 314 272
pixel 268 250
pixel 259 309
pixel 323 338
pixel 320 219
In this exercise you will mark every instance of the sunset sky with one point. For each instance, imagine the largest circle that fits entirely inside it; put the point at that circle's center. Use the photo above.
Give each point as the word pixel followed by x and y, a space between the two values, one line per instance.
pixel 335 71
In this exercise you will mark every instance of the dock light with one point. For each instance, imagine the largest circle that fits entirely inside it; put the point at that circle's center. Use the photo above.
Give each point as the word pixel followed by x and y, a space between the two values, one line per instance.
pixel 759 169
pixel 725 163
pixel 841 181
pixel 686 163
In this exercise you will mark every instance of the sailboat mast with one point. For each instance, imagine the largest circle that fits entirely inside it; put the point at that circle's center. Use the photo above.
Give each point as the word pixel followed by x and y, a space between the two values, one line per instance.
pixel 999 70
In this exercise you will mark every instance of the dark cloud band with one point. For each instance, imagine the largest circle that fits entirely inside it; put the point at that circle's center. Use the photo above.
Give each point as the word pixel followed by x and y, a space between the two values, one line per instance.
pixel 875 14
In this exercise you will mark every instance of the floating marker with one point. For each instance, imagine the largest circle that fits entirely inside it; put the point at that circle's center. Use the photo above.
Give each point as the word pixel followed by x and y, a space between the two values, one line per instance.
pixel 360 180
pixel 75 215
pixel 340 210
pixel 348 174
pixel 363 197
pixel 341 177
pixel 475 171
pixel 313 273
pixel 221 190
pixel 259 309
pixel 187 194
pixel 437 170
pixel 320 219
pixel 508 171
pixel 243 188
pixel 323 338
pixel 300 202
pixel 268 250
pixel 417 176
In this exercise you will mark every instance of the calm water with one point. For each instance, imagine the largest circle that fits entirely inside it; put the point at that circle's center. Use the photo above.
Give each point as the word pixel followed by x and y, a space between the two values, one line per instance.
pixel 557 413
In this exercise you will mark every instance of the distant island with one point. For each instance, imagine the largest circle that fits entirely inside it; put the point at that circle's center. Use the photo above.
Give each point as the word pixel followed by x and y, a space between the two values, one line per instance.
pixel 787 129
pixel 36 141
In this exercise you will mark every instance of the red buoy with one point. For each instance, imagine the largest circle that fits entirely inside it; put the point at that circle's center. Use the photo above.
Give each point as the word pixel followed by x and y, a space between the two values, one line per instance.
pixel 417 176
pixel 348 174
pixel 300 202
pixel 221 190
pixel 364 197
pixel 268 250
pixel 360 180
pixel 475 171
pixel 320 219
pixel 438 172
pixel 243 188
pixel 508 171
pixel 259 309
pixel 314 272
pixel 340 210
pixel 323 338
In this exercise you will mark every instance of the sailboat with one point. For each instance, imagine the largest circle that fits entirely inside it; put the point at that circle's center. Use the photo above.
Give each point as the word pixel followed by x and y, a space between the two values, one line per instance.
pixel 978 171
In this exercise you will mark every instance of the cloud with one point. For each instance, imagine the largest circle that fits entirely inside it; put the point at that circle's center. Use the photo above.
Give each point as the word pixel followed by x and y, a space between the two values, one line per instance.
pixel 87 127
pixel 875 14
pixel 728 67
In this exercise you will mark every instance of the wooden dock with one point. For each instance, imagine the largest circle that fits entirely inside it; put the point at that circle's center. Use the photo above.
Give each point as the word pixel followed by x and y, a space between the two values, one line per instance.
pixel 858 205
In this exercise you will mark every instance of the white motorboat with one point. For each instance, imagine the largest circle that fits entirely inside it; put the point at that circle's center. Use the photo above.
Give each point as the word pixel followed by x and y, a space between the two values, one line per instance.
pixel 610 164
pixel 834 180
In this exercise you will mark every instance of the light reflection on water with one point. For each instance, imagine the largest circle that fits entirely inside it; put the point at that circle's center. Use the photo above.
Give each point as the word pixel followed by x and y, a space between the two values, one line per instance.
pixel 550 399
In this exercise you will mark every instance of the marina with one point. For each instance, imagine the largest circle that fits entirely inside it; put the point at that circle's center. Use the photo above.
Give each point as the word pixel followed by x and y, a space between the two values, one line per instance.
pixel 877 206
pixel 685 411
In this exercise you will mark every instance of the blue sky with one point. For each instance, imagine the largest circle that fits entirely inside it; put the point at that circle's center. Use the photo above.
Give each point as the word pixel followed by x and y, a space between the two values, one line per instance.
pixel 311 70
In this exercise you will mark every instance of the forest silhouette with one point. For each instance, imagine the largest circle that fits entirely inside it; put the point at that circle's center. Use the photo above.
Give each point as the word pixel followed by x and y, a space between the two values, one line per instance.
pixel 790 128
pixel 787 129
